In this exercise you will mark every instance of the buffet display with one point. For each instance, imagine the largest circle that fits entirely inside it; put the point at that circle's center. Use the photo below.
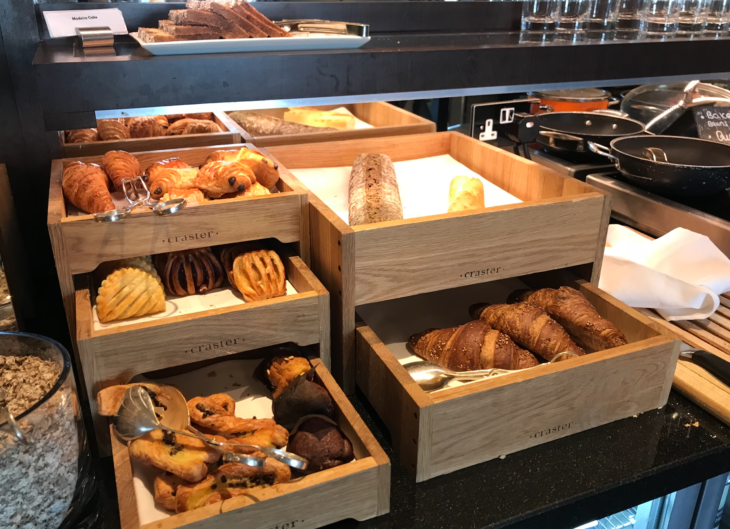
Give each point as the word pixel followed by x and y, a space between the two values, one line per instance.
pixel 142 133
pixel 394 217
pixel 289 126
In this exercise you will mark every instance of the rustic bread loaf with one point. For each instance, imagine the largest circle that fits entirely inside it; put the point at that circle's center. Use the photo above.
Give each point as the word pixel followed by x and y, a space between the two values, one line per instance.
pixel 374 194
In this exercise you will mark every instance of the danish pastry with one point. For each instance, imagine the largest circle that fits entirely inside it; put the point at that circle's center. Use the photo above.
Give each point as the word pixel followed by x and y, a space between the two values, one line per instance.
pixel 128 292
pixel 151 173
pixel 219 178
pixel 82 136
pixel 216 413
pixel 120 165
pixel 188 272
pixel 166 490
pixel 253 191
pixel 112 129
pixel 183 456
pixel 108 400
pixel 168 179
pixel 147 126
pixel 86 186
pixel 257 274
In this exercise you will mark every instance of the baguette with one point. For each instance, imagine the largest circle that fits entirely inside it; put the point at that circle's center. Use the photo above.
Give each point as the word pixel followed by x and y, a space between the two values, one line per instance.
pixel 374 194
pixel 466 193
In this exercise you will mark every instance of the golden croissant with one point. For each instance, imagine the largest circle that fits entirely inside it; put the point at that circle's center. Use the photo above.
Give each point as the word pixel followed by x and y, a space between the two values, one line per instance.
pixel 147 126
pixel 150 174
pixel 120 165
pixel 191 196
pixel 112 129
pixel 266 171
pixel 86 186
pixel 192 126
pixel 82 136
pixel 169 179
pixel 130 292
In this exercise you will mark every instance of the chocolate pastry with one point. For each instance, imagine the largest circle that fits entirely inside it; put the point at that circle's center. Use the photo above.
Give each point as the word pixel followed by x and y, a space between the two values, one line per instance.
pixel 322 443
pixel 183 456
pixel 188 272
pixel 219 178
pixel 302 397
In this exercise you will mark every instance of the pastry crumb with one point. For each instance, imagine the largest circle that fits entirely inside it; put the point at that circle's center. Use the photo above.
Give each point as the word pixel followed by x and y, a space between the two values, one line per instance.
pixel 212 374
pixel 503 456
pixel 696 424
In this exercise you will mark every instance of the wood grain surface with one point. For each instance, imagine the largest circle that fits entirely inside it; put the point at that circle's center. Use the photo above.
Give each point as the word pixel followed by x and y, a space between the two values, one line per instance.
pixel 502 415
pixel 386 119
pixel 229 134
pixel 358 490
pixel 561 223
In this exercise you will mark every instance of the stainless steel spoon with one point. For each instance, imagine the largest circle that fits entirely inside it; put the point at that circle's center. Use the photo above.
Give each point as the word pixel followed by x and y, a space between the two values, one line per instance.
pixel 8 424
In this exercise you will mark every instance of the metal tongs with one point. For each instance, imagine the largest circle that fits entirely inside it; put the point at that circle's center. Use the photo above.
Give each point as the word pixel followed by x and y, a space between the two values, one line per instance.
pixel 137 194
pixel 313 25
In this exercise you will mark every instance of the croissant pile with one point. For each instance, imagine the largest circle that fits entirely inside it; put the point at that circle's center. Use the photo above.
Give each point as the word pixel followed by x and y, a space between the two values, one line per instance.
pixel 194 474
pixel 225 174
pixel 145 127
pixel 542 323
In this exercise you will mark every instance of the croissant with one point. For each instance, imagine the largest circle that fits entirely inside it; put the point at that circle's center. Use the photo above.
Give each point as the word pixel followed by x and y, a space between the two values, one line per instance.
pixel 208 116
pixel 129 292
pixel 190 271
pixel 112 129
pixel 147 126
pixel 192 196
pixel 183 456
pixel 119 165
pixel 474 345
pixel 219 178
pixel 86 186
pixel 253 191
pixel 266 171
pixel 258 274
pixel 529 326
pixel 150 174
pixel 221 156
pixel 575 313
pixel 169 179
pixel 192 126
pixel 82 136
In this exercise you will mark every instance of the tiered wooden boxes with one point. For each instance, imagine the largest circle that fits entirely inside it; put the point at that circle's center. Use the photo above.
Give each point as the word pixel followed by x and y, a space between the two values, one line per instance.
pixel 386 120
pixel 109 355
pixel 229 134
pixel 561 224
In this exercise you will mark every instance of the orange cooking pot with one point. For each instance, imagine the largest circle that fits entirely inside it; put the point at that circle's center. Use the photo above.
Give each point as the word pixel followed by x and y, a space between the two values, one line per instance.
pixel 571 100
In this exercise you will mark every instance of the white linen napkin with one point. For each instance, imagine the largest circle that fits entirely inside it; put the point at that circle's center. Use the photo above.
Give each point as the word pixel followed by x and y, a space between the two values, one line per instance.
pixel 680 274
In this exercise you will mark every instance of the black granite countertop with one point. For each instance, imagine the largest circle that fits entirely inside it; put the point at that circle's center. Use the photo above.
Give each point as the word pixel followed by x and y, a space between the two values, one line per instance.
pixel 561 484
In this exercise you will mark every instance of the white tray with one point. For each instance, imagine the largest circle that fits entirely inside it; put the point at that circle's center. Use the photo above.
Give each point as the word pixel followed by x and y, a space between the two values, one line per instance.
pixel 185 47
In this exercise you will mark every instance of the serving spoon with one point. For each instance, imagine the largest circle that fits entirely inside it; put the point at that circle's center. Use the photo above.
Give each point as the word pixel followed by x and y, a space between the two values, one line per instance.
pixel 430 376
pixel 137 417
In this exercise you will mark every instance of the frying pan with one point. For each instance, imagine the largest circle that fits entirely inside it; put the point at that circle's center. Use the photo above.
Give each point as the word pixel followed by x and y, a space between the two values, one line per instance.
pixel 569 132
pixel 671 165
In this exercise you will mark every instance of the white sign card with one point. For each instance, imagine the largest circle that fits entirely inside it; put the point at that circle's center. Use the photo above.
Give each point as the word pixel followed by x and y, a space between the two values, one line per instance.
pixel 64 23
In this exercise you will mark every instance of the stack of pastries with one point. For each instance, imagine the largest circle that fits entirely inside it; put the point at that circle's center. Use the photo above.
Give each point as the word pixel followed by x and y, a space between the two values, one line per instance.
pixel 145 127
pixel 136 287
pixel 541 323
pixel 194 474
pixel 225 174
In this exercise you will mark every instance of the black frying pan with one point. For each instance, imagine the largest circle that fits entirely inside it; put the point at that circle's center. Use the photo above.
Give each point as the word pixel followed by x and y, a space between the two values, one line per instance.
pixel 569 132
pixel 671 165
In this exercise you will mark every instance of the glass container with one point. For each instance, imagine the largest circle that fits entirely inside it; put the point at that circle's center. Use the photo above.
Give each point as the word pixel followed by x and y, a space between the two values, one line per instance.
pixel 573 15
pixel 540 16
pixel 659 18
pixel 692 16
pixel 47 479
pixel 718 17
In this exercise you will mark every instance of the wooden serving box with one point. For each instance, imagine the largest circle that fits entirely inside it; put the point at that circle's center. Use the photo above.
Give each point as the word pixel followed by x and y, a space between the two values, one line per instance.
pixel 561 223
pixel 229 134
pixel 439 432
pixel 358 490
pixel 386 119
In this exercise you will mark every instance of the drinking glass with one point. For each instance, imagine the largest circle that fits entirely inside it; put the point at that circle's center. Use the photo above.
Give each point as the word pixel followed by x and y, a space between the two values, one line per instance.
pixel 718 17
pixel 659 18
pixel 628 21
pixel 692 16
pixel 603 15
pixel 540 15
pixel 573 15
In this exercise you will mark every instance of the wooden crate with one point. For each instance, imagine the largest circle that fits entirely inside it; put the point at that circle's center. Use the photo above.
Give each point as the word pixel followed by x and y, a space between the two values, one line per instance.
pixel 80 243
pixel 359 490
pixel 561 223
pixel 437 433
pixel 386 119
pixel 229 134
pixel 116 354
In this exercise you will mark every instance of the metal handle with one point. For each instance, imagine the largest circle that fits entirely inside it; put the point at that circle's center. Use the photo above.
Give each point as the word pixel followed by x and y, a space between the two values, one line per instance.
pixel 597 148
pixel 613 101
pixel 169 207
pixel 610 112
pixel 559 135
pixel 712 363
pixel 479 373
pixel 252 461
pixel 546 108
pixel 652 153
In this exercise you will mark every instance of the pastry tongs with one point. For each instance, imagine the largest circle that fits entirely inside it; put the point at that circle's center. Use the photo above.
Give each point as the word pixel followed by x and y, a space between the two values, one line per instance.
pixel 137 194
pixel 313 25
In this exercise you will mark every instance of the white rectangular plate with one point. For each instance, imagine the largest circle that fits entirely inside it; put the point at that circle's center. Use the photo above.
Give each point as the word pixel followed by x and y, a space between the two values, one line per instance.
pixel 186 47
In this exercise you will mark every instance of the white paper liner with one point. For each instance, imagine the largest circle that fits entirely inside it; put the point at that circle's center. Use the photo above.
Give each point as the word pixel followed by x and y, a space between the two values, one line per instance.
pixel 181 305
pixel 396 320
pixel 423 184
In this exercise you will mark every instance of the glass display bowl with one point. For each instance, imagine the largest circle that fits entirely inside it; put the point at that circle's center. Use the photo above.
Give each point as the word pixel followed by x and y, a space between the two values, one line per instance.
pixel 39 479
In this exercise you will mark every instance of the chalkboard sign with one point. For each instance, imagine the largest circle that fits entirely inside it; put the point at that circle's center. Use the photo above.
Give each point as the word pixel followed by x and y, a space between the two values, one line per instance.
pixel 713 123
